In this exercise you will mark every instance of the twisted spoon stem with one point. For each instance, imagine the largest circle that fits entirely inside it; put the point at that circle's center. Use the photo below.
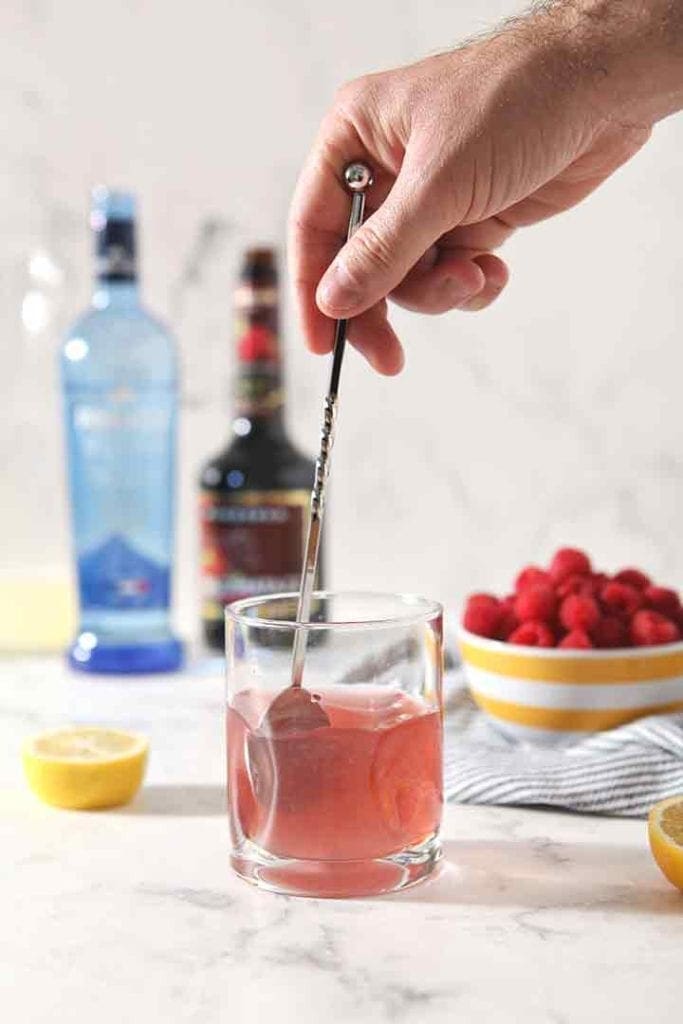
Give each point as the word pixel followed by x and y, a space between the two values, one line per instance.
pixel 358 178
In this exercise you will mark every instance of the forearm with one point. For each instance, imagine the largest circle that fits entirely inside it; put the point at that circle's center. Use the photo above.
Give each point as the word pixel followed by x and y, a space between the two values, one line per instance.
pixel 630 50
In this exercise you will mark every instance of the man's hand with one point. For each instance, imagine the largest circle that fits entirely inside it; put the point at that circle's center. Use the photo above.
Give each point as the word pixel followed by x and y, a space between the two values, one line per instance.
pixel 466 147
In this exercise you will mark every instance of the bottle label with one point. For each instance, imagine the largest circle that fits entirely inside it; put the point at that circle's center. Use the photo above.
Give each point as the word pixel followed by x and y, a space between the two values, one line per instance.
pixel 121 459
pixel 258 390
pixel 252 544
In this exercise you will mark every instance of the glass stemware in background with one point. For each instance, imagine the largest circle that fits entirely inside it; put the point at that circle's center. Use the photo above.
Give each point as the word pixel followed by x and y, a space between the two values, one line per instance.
pixel 352 808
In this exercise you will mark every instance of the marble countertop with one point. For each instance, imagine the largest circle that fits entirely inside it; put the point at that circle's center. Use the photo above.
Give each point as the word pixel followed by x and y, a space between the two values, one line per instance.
pixel 134 915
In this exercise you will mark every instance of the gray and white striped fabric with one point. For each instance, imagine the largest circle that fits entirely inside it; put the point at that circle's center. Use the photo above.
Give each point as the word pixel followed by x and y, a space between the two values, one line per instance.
pixel 622 772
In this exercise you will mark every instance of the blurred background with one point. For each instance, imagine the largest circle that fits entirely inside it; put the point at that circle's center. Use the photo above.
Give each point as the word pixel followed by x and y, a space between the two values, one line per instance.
pixel 554 417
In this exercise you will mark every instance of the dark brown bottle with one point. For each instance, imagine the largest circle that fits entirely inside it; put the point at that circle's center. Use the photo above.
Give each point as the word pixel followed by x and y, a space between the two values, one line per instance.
pixel 255 492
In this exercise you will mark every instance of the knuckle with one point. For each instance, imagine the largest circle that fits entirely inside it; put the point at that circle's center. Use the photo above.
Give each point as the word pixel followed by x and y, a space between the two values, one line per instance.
pixel 373 249
pixel 355 96
pixel 348 94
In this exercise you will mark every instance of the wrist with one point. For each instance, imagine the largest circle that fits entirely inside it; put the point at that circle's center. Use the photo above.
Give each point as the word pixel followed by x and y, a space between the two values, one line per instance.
pixel 627 55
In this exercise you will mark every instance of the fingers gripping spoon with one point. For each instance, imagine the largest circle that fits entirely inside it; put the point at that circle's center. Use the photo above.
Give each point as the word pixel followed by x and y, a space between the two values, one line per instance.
pixel 295 708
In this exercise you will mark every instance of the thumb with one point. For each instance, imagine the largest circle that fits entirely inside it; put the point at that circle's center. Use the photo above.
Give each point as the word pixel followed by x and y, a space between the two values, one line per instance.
pixel 383 250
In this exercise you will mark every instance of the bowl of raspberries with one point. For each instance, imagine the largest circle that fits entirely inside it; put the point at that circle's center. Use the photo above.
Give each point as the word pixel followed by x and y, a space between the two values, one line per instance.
pixel 572 649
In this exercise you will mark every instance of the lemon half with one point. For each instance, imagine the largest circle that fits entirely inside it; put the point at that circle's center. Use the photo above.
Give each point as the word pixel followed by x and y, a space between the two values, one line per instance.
pixel 83 767
pixel 665 831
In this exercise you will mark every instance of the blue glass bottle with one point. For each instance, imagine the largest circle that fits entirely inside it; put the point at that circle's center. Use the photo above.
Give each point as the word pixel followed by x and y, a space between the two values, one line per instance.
pixel 120 381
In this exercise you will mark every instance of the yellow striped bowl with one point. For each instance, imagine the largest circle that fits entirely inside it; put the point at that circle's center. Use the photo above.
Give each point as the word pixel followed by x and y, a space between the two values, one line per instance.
pixel 551 696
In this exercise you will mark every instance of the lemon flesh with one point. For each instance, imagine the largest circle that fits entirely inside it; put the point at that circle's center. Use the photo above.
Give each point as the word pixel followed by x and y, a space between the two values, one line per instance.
pixel 83 768
pixel 665 832
pixel 672 822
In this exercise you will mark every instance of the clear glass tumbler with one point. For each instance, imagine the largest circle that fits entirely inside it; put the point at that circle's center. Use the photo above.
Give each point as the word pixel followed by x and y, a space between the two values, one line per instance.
pixel 347 802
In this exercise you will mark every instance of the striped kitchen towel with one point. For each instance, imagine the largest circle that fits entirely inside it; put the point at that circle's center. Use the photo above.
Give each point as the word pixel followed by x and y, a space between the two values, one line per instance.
pixel 620 772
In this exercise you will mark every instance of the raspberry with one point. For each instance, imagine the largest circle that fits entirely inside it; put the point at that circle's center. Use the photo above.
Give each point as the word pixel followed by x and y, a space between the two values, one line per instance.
pixel 530 576
pixel 610 632
pixel 649 628
pixel 663 600
pixel 575 584
pixel 621 599
pixel 579 611
pixel 508 624
pixel 597 582
pixel 475 600
pixel 569 562
pixel 533 634
pixel 508 620
pixel 577 640
pixel 482 615
pixel 634 578
pixel 536 602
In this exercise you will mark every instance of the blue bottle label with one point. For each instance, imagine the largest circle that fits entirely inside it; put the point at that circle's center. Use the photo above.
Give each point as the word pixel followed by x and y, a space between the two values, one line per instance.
pixel 121 455
pixel 115 575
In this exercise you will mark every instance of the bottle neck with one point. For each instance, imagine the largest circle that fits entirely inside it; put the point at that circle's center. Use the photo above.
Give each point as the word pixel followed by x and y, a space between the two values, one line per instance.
pixel 115 294
pixel 116 261
pixel 258 387
pixel 260 429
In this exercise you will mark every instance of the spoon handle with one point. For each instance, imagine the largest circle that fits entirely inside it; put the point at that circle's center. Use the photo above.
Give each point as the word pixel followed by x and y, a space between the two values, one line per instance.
pixel 358 178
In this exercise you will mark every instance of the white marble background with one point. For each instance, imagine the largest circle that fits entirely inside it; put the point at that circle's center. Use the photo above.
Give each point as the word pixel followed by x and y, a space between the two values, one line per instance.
pixel 554 417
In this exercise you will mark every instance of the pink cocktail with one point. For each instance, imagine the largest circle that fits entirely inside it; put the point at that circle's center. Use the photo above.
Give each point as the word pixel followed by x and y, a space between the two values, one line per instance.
pixel 348 807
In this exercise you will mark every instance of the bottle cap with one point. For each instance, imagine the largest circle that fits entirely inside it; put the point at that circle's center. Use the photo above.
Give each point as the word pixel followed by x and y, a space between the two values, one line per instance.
pixel 111 204
pixel 259 266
